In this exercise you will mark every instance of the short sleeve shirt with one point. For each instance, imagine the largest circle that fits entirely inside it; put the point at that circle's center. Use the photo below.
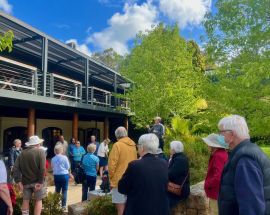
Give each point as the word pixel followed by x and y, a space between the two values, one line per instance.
pixel 3 172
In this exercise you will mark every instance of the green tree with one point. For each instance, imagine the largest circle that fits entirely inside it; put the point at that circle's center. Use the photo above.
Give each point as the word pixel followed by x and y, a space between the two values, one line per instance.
pixel 109 57
pixel 238 42
pixel 6 41
pixel 166 83
pixel 198 58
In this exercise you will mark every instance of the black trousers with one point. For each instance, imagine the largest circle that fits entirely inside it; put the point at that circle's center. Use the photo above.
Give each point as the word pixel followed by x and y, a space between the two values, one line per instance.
pixel 3 207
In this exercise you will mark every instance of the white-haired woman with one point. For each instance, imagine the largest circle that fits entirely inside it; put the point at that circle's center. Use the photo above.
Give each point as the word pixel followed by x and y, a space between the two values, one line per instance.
pixel 90 165
pixel 178 172
pixel 61 167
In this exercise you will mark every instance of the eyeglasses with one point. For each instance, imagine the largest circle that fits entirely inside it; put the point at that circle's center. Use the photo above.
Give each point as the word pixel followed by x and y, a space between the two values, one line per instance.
pixel 223 131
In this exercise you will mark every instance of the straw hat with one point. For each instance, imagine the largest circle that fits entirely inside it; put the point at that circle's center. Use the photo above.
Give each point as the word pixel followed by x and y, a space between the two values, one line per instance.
pixel 34 140
pixel 212 140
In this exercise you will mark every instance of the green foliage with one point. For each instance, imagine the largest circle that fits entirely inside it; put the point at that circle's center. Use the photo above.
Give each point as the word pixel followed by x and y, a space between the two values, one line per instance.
pixel 238 41
pixel 101 206
pixel 198 59
pixel 51 205
pixel 166 81
pixel 266 150
pixel 194 148
pixel 6 41
pixel 109 57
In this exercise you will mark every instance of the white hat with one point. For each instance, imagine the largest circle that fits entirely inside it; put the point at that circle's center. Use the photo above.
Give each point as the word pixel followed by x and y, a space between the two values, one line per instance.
pixel 34 140
pixel 212 140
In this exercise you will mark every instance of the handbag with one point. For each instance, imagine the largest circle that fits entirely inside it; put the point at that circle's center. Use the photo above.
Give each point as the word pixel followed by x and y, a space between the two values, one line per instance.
pixel 176 188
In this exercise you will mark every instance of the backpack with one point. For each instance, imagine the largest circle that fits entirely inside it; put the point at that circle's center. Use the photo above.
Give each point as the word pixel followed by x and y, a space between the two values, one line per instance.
pixel 105 184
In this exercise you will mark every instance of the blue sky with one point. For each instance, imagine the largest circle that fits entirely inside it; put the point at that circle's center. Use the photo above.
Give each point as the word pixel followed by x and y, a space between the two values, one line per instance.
pixel 99 24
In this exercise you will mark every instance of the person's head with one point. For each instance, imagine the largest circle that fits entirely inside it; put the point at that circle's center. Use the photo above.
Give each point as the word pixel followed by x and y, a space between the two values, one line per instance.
pixel 157 120
pixel 91 148
pixel 107 141
pixel 17 143
pixel 34 141
pixel 78 144
pixel 58 149
pixel 120 132
pixel 214 141
pixel 176 147
pixel 148 143
pixel 93 138
pixel 234 129
pixel 61 138
pixel 72 140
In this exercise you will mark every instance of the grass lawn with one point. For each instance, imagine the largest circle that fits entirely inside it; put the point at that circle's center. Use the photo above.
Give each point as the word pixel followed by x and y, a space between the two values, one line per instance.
pixel 266 150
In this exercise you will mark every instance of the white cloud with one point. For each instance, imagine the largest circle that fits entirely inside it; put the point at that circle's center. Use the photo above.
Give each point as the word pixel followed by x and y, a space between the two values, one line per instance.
pixel 124 27
pixel 80 47
pixel 5 6
pixel 185 12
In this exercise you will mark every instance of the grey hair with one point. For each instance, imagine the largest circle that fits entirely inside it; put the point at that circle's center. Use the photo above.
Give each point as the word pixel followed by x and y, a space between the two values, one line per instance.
pixel 120 132
pixel 149 142
pixel 58 149
pixel 177 146
pixel 16 140
pixel 235 123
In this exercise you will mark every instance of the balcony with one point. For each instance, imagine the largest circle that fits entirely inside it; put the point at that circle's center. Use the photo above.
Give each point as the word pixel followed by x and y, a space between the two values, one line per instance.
pixel 19 77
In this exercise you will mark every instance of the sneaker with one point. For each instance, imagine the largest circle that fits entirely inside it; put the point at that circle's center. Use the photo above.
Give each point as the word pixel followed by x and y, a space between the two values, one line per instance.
pixel 64 208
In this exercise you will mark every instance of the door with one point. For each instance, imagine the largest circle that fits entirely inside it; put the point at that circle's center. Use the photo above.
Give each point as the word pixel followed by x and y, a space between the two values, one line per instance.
pixel 92 131
pixel 51 136
pixel 12 133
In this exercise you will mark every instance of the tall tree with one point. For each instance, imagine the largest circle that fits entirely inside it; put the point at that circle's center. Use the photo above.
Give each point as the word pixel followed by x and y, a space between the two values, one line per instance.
pixel 109 57
pixel 238 41
pixel 166 83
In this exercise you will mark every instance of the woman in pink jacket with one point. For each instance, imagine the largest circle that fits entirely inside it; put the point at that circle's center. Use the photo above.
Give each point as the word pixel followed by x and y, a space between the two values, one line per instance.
pixel 217 161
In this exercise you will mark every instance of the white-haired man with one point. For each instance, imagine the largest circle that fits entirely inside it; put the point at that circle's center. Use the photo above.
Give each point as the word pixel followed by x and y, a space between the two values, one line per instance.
pixel 159 130
pixel 29 173
pixel 123 152
pixel 245 182
pixel 145 181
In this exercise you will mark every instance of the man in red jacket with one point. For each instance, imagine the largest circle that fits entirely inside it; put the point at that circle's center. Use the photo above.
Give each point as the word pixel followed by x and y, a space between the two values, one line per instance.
pixel 217 161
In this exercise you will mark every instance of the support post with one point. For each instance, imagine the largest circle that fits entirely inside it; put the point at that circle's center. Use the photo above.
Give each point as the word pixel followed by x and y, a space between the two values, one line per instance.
pixel 126 123
pixel 106 127
pixel 44 63
pixel 31 122
pixel 86 81
pixel 75 126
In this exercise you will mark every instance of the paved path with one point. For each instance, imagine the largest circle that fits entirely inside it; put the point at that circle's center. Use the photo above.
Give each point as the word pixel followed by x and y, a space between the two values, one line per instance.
pixel 74 192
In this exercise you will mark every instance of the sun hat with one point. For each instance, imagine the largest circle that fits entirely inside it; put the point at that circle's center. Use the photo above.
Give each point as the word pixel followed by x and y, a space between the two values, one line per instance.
pixel 34 140
pixel 212 140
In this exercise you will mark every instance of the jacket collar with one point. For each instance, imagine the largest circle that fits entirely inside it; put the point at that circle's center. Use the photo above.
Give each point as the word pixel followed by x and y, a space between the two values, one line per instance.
pixel 148 155
pixel 239 146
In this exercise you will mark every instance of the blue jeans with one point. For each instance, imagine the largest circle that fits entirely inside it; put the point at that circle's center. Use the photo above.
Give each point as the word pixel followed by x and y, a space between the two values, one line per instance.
pixel 88 184
pixel 61 183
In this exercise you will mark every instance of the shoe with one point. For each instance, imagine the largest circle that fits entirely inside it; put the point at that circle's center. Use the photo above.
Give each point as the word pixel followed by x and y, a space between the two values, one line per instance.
pixel 64 208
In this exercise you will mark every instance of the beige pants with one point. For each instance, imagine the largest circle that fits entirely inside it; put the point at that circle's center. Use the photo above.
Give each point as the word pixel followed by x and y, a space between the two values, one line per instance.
pixel 213 207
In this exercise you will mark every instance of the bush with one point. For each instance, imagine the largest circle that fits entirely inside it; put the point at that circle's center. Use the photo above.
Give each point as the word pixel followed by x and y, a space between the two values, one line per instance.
pixel 101 206
pixel 194 148
pixel 51 204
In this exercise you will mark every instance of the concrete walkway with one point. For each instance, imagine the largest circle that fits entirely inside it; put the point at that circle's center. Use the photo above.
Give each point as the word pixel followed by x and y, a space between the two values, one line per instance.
pixel 74 194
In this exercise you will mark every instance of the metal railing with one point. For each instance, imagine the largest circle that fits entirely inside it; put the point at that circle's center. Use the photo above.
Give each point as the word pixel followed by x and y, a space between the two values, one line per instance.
pixel 97 96
pixel 16 76
pixel 20 77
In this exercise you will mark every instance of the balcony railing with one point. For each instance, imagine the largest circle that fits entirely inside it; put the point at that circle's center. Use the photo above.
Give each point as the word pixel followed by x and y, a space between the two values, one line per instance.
pixel 16 76
pixel 20 77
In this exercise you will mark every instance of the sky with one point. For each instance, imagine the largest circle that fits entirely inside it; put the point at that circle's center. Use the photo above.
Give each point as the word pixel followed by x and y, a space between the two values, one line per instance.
pixel 95 25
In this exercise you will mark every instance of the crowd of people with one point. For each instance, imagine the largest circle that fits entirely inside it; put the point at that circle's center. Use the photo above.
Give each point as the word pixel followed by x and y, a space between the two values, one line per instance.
pixel 142 179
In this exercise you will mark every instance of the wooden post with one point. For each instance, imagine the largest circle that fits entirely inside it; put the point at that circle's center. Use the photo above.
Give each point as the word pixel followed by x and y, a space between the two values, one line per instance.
pixel 126 123
pixel 31 122
pixel 75 126
pixel 106 128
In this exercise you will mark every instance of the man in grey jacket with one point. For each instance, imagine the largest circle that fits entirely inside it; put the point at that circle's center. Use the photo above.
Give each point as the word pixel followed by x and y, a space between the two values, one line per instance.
pixel 159 130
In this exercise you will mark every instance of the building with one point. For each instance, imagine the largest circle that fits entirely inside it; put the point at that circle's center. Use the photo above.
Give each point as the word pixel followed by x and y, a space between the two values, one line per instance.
pixel 49 88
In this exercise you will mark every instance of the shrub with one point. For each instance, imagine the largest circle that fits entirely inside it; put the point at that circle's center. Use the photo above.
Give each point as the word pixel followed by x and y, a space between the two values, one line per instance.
pixel 101 206
pixel 194 147
pixel 51 204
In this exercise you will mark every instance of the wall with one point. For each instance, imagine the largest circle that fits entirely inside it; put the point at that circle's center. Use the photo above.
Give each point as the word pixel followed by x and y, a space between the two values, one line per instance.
pixel 65 125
